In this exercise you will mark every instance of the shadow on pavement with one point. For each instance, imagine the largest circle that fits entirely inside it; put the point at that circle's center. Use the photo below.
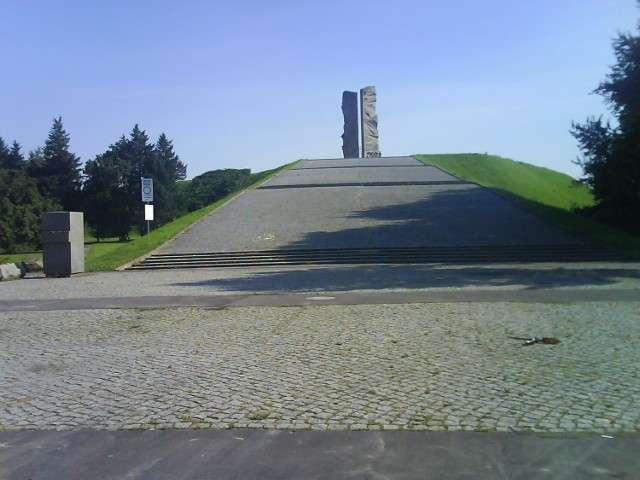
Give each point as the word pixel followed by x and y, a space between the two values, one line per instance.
pixel 381 277
pixel 455 216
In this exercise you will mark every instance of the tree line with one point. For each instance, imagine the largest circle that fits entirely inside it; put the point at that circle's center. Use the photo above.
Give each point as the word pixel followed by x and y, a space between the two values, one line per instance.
pixel 611 153
pixel 107 189
pixel 49 179
pixel 112 188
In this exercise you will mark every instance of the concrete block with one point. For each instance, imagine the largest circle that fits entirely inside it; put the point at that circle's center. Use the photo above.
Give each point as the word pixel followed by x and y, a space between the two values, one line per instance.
pixel 63 243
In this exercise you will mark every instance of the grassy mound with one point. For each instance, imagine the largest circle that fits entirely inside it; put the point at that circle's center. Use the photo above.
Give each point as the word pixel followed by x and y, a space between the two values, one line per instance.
pixel 536 184
pixel 550 194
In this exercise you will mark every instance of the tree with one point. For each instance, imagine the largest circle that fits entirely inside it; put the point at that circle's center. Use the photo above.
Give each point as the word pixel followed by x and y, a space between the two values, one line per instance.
pixel 36 169
pixel 177 170
pixel 112 190
pixel 140 155
pixel 63 165
pixel 56 169
pixel 139 152
pixel 611 154
pixel 4 154
pixel 214 185
pixel 21 208
pixel 11 159
pixel 106 193
pixel 160 163
pixel 16 159
pixel 166 170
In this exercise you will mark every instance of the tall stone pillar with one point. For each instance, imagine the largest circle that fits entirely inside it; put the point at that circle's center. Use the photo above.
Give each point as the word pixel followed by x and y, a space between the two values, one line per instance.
pixel 369 122
pixel 350 135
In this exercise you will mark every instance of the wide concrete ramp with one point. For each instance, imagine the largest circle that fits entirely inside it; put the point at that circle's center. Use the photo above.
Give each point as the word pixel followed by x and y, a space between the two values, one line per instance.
pixel 394 171
pixel 366 203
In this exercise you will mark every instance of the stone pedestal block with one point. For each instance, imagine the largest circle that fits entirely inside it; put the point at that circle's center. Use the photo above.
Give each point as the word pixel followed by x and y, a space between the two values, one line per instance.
pixel 63 243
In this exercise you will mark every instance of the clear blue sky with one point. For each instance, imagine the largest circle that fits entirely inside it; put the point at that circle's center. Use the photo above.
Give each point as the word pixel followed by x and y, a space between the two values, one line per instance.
pixel 256 84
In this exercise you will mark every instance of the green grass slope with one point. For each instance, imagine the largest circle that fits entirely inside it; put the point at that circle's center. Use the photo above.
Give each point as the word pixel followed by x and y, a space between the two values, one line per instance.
pixel 533 183
pixel 109 255
pixel 548 193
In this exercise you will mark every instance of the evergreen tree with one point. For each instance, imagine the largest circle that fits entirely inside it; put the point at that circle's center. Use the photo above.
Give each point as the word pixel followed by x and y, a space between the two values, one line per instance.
pixel 211 186
pixel 112 189
pixel 35 168
pixel 611 155
pixel 177 170
pixel 59 175
pixel 21 208
pixel 4 154
pixel 140 155
pixel 107 192
pixel 165 170
pixel 16 159
pixel 10 159
pixel 55 169
pixel 35 160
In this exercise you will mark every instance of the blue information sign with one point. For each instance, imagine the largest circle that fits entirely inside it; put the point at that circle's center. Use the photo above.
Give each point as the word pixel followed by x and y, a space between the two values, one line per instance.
pixel 147 189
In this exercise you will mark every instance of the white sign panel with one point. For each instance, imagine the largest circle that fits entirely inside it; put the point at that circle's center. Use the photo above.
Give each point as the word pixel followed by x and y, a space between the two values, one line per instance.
pixel 148 212
pixel 147 189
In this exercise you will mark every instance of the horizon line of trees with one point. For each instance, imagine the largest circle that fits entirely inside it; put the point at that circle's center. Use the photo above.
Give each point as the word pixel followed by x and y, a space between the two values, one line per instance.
pixel 107 189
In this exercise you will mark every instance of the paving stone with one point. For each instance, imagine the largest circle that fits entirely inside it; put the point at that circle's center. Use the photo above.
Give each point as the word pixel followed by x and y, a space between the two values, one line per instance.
pixel 197 368
pixel 358 426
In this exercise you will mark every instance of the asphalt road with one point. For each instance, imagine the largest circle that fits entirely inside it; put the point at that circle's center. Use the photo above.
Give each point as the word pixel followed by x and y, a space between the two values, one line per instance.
pixel 246 454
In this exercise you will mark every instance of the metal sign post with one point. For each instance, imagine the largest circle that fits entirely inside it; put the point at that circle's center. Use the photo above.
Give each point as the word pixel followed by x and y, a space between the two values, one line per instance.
pixel 147 198
pixel 148 215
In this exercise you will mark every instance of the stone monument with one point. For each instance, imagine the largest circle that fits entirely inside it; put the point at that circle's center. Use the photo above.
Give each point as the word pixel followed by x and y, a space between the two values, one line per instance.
pixel 369 122
pixel 350 114
pixel 63 243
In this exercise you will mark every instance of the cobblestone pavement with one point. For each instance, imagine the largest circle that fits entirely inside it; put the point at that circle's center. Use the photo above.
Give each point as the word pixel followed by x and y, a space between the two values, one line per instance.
pixel 364 367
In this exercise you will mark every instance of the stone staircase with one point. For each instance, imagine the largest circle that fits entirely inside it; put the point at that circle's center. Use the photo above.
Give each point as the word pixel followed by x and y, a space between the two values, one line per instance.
pixel 379 256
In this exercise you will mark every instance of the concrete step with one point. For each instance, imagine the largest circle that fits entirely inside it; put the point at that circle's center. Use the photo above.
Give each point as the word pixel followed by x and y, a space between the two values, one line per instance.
pixel 347 256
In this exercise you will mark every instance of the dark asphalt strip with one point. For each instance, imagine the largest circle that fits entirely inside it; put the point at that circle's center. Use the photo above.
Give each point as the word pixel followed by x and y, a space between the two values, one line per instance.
pixel 255 454
pixel 344 298
pixel 363 184
pixel 365 166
